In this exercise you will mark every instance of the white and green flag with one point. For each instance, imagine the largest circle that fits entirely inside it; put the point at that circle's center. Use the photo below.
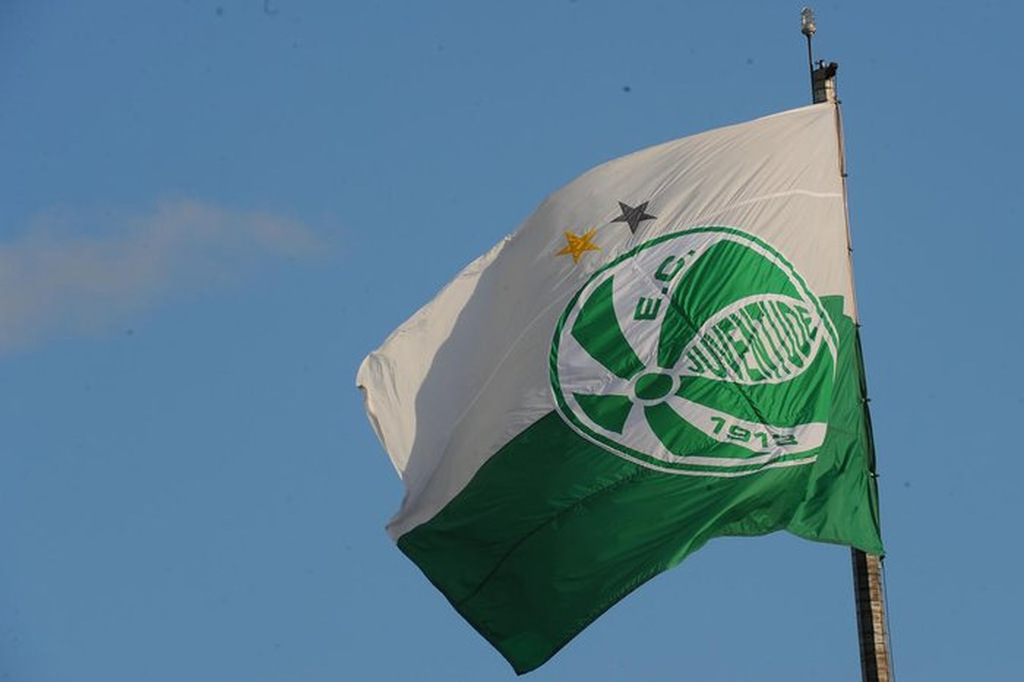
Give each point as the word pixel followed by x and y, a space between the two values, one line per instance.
pixel 664 352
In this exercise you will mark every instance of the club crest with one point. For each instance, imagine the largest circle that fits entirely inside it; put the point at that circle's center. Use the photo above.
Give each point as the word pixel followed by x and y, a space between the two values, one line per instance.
pixel 700 352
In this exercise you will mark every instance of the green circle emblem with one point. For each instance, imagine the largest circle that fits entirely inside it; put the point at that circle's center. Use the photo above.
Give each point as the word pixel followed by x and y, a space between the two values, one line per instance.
pixel 701 352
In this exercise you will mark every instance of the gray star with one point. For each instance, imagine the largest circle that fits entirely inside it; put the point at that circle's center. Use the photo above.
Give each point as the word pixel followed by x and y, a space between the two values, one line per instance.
pixel 633 216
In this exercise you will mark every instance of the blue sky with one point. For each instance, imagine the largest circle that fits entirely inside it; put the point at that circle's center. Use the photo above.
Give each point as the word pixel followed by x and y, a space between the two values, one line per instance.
pixel 213 210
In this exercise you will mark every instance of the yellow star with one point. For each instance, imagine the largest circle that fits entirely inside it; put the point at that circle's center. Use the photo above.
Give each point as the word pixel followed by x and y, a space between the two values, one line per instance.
pixel 576 244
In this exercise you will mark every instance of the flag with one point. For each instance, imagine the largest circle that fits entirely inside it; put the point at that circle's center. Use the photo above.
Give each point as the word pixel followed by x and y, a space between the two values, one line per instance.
pixel 665 352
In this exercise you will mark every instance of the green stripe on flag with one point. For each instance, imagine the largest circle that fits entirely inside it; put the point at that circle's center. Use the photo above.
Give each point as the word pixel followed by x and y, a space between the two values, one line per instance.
pixel 553 530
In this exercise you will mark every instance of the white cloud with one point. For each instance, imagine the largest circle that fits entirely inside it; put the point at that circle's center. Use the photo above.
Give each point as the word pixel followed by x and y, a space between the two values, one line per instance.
pixel 79 273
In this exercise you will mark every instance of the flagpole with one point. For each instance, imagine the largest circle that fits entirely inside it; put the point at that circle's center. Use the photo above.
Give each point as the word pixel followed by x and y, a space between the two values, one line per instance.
pixel 872 624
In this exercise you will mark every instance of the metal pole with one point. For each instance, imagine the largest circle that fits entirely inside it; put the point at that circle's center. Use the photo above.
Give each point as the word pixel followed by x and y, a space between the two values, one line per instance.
pixel 810 61
pixel 872 625
pixel 872 629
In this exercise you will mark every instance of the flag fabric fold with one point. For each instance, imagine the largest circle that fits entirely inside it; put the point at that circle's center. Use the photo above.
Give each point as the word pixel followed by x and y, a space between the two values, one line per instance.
pixel 665 352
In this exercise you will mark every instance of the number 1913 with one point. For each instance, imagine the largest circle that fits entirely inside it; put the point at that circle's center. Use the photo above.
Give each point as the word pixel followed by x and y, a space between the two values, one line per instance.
pixel 741 434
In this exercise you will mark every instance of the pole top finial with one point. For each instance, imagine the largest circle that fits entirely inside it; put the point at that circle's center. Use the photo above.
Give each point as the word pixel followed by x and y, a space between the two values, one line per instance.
pixel 807 25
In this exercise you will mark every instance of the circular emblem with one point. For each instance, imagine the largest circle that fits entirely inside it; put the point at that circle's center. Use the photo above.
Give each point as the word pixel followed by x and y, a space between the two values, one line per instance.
pixel 700 352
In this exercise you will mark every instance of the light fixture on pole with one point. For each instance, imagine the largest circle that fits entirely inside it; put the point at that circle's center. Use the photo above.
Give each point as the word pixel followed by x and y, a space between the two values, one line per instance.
pixel 808 28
